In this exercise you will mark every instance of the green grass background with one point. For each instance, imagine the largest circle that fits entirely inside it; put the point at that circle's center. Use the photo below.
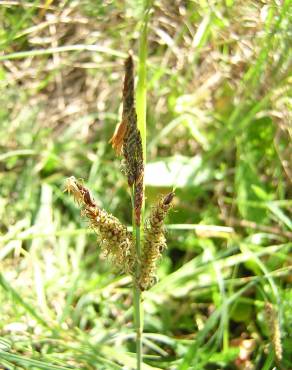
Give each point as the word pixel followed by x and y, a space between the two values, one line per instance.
pixel 218 129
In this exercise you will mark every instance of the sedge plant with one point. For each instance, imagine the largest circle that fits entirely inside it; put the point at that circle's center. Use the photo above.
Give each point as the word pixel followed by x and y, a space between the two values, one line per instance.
pixel 127 251
pixel 134 253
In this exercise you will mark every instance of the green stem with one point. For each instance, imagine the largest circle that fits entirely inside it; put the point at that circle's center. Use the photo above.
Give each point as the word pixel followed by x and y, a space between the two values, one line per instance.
pixel 139 326
pixel 138 309
pixel 141 85
pixel 141 121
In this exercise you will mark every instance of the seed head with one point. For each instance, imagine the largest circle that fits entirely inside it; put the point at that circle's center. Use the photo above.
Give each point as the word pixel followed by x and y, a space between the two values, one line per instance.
pixel 154 242
pixel 116 242
pixel 274 328
pixel 127 140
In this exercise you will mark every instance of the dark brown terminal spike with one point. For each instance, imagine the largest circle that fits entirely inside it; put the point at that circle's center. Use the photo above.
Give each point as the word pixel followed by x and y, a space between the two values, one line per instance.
pixel 127 140
pixel 117 139
pixel 128 89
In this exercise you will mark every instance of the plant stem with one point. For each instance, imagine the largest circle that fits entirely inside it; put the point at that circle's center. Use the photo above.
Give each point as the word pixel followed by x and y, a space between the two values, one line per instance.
pixel 141 85
pixel 141 121
pixel 138 309
pixel 139 326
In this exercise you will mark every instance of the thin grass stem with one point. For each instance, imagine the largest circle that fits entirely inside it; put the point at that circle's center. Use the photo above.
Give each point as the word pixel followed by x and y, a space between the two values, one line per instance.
pixel 141 104
pixel 138 308
pixel 141 107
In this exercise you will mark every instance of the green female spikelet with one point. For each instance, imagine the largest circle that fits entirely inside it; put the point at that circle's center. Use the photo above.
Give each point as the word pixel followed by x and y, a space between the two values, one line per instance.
pixel 274 328
pixel 116 241
pixel 154 242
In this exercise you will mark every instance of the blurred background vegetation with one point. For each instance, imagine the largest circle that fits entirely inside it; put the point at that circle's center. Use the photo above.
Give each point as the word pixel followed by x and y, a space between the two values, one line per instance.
pixel 218 129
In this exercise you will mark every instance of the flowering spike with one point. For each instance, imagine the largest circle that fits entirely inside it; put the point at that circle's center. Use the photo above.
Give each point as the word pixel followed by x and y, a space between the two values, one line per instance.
pixel 127 140
pixel 154 242
pixel 274 327
pixel 116 241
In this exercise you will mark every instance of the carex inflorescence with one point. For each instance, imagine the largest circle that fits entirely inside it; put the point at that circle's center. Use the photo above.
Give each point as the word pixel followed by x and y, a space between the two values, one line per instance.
pixel 127 140
pixel 274 329
pixel 116 242
pixel 154 241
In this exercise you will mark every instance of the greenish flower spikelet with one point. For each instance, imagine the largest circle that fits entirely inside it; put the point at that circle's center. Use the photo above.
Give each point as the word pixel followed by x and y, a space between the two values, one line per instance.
pixel 116 242
pixel 154 242
pixel 274 328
